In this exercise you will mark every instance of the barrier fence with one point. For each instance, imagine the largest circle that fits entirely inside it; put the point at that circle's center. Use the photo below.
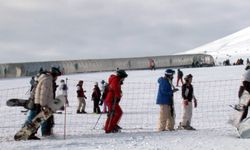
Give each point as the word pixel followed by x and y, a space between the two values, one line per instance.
pixel 140 111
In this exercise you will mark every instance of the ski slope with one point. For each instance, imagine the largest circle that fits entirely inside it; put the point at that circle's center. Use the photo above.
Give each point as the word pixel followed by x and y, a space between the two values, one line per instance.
pixel 81 135
pixel 232 47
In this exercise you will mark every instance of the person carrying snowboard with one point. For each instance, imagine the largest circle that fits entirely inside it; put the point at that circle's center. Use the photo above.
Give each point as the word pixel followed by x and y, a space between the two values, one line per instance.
pixel 112 100
pixel 166 101
pixel 44 93
pixel 187 105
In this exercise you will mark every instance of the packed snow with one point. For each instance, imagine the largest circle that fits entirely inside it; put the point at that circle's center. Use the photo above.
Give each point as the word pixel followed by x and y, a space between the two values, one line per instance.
pixel 232 47
pixel 215 88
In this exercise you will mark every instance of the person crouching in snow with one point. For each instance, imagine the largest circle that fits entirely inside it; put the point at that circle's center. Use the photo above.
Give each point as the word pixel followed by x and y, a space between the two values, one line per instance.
pixel 112 100
pixel 188 96
pixel 165 100
pixel 96 95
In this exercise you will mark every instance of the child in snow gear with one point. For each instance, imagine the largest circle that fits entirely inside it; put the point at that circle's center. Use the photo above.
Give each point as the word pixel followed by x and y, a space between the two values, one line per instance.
pixel 81 98
pixel 188 96
pixel 166 101
pixel 96 95
pixel 113 99
pixel 63 88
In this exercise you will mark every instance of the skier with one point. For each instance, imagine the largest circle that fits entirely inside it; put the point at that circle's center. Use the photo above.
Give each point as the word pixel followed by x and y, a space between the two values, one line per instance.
pixel 166 101
pixel 179 77
pixel 63 88
pixel 113 99
pixel 96 95
pixel 188 96
pixel 81 98
pixel 43 94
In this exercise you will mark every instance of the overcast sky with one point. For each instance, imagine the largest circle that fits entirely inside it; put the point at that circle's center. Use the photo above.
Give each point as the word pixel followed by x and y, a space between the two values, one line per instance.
pixel 42 30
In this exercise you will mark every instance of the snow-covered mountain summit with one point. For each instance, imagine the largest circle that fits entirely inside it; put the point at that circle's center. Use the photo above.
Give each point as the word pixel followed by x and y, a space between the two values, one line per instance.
pixel 231 47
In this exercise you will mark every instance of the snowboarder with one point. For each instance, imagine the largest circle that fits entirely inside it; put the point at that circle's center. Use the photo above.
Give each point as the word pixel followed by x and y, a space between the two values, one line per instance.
pixel 96 95
pixel 187 105
pixel 81 98
pixel 113 99
pixel 44 93
pixel 179 77
pixel 166 101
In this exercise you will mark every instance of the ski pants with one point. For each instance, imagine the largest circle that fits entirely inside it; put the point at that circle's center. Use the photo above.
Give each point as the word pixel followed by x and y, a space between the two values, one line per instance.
pixel 178 79
pixel 104 107
pixel 166 119
pixel 96 108
pixel 187 114
pixel 114 116
pixel 81 104
pixel 47 126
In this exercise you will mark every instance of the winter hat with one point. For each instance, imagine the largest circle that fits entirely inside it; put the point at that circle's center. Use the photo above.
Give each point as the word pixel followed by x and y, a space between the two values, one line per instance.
pixel 189 76
pixel 246 76
pixel 96 83
pixel 169 72
pixel 62 81
pixel 102 82
pixel 55 72
pixel 80 81
pixel 121 73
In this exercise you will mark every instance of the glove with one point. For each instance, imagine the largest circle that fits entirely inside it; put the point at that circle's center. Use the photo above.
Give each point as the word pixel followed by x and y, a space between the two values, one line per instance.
pixel 185 102
pixel 101 102
pixel 175 90
pixel 116 100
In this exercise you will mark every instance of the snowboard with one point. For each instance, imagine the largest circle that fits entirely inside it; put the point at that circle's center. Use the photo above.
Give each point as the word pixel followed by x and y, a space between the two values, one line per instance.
pixel 16 102
pixel 244 128
pixel 30 128
pixel 239 109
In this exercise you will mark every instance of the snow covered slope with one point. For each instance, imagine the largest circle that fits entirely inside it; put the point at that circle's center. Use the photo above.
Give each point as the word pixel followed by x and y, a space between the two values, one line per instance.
pixel 231 47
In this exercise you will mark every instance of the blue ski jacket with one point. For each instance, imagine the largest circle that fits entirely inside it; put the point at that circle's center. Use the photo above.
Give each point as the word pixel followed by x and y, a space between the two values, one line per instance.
pixel 165 92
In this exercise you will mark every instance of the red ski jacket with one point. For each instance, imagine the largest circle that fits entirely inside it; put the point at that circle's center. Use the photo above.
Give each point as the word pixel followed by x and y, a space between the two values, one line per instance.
pixel 114 90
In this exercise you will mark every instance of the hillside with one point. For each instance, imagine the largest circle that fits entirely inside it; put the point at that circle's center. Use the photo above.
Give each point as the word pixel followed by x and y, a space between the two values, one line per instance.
pixel 231 47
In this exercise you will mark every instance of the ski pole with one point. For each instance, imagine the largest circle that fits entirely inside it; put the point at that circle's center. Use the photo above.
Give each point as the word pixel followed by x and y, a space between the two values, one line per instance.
pixel 97 120
pixel 65 114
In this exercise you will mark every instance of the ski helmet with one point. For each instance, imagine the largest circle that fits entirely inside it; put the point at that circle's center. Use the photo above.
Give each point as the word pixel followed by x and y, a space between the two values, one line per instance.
pixel 55 71
pixel 121 73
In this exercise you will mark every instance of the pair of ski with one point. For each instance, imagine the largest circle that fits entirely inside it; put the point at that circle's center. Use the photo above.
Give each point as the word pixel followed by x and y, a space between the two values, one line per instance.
pixel 30 128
